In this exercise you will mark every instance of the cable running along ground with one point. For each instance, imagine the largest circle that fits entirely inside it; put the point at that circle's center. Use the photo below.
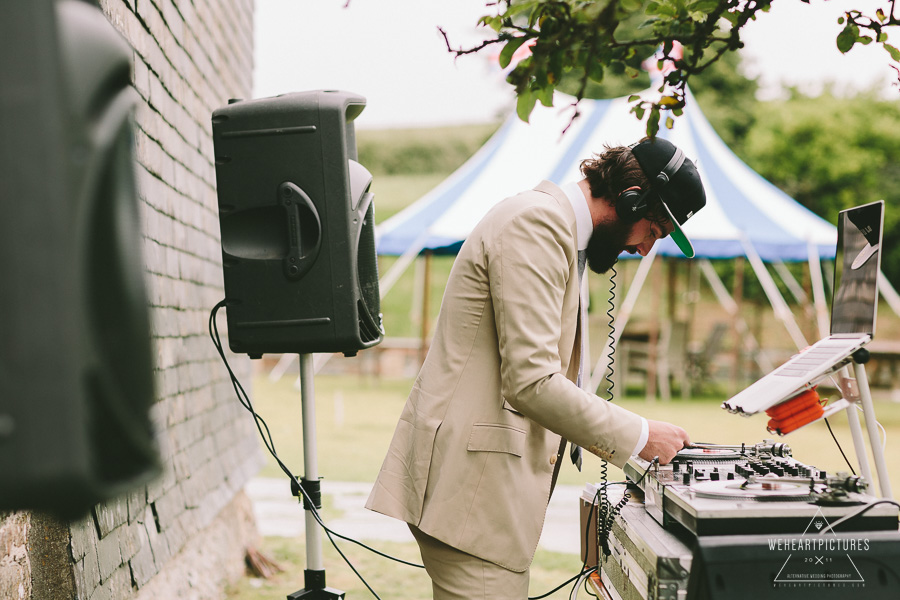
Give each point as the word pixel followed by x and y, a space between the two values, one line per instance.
pixel 266 436
pixel 268 442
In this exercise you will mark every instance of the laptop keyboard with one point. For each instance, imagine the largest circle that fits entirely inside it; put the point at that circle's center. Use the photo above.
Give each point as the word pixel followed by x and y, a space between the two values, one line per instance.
pixel 821 353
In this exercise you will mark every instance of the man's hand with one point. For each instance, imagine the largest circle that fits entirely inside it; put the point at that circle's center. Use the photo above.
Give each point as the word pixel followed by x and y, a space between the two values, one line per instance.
pixel 664 441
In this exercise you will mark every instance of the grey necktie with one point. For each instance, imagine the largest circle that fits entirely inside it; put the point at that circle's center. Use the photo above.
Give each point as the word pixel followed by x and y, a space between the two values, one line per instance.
pixel 574 450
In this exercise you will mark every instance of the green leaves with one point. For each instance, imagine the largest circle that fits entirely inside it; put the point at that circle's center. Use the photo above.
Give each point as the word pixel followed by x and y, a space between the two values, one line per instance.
pixel 895 54
pixel 525 104
pixel 588 42
pixel 509 49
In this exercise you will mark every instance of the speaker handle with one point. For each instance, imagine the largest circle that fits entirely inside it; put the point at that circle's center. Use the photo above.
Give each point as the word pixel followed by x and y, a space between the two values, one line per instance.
pixel 296 263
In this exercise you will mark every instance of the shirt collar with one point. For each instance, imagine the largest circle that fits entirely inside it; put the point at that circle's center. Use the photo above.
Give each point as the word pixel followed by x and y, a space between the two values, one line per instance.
pixel 584 224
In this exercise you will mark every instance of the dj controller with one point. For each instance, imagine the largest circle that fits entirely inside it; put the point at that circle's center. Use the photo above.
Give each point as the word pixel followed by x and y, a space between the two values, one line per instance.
pixel 715 522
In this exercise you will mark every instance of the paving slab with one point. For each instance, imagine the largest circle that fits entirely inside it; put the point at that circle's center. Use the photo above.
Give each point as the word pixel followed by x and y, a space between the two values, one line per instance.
pixel 278 513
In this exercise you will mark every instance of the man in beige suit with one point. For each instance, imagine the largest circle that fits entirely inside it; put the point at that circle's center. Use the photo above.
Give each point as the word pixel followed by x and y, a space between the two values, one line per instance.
pixel 478 446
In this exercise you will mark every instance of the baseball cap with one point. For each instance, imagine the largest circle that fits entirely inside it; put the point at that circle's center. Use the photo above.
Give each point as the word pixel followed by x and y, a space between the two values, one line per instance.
pixel 675 180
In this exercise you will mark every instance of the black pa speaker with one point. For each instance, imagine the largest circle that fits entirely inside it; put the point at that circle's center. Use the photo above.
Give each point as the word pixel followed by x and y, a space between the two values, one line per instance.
pixel 297 224
pixel 76 369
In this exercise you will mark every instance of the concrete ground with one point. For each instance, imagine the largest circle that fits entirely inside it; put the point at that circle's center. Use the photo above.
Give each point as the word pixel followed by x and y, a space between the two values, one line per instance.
pixel 279 514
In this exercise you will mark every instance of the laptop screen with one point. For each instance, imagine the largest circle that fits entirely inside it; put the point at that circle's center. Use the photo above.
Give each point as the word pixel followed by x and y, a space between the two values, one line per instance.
pixel 856 268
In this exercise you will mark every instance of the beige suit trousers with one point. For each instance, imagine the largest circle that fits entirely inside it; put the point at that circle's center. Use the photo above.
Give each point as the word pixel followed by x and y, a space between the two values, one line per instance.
pixel 456 575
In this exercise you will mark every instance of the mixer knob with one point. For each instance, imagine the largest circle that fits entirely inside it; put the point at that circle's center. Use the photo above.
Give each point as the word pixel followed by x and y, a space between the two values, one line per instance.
pixel 675 466
pixel 714 476
pixel 686 478
pixel 730 476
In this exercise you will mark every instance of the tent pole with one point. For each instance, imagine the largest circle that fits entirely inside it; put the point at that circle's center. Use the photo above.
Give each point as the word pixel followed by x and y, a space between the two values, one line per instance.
pixel 653 337
pixel 790 282
pixel 664 373
pixel 693 298
pixel 398 268
pixel 622 316
pixel 738 302
pixel 585 330
pixel 796 291
pixel 818 288
pixel 889 293
pixel 426 285
pixel 775 298
pixel 727 302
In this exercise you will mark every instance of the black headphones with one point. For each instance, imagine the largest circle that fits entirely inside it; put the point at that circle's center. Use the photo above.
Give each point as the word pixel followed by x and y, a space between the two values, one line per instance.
pixel 632 205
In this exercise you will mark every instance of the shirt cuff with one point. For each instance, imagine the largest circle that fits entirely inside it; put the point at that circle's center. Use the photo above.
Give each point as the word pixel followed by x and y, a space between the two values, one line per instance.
pixel 642 440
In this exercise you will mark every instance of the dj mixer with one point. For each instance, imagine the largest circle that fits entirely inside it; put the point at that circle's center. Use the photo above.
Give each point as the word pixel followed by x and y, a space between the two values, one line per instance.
pixel 715 522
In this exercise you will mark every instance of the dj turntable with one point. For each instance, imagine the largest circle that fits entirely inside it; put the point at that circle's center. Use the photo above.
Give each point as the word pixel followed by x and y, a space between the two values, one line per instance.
pixel 714 489
pixel 704 526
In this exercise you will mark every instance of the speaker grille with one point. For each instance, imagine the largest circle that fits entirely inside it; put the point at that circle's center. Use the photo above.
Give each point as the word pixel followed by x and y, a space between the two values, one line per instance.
pixel 369 304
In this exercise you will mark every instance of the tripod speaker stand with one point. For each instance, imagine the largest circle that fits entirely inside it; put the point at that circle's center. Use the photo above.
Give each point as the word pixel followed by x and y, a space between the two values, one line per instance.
pixel 314 574
pixel 298 250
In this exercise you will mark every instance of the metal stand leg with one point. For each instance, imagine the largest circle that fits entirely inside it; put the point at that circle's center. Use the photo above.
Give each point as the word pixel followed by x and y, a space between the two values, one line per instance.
pixel 859 444
pixel 314 575
pixel 884 482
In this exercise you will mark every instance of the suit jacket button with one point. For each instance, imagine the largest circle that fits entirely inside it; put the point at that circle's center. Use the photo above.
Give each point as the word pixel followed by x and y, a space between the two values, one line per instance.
pixel 553 460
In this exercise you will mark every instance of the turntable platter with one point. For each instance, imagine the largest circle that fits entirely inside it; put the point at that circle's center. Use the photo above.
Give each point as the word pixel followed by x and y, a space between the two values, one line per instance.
pixel 759 490
pixel 708 454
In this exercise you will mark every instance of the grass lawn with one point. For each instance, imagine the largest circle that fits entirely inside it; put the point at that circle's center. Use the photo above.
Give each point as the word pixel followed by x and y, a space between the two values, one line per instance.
pixel 356 415
pixel 391 581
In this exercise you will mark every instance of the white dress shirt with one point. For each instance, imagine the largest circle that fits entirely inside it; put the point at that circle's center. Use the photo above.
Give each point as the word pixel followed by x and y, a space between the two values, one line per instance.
pixel 584 225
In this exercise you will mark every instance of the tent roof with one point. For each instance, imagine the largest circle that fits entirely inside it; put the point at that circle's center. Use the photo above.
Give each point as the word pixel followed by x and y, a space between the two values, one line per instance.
pixel 741 205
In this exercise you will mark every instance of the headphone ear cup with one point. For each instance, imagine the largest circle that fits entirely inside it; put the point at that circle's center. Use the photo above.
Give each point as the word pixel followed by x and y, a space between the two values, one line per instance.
pixel 631 206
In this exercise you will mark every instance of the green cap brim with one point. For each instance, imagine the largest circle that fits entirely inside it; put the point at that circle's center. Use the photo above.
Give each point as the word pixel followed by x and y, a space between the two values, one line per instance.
pixel 677 235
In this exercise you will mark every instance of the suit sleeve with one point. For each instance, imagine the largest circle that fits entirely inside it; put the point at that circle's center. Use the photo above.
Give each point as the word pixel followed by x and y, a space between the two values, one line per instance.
pixel 528 265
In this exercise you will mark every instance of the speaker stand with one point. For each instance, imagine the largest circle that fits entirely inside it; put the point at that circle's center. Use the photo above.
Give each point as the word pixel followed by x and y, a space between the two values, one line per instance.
pixel 314 574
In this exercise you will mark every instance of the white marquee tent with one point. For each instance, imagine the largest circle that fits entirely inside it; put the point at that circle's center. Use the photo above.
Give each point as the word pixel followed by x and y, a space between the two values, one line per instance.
pixel 745 214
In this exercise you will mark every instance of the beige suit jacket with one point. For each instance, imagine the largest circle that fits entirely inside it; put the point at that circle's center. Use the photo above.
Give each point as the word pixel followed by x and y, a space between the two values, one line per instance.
pixel 474 456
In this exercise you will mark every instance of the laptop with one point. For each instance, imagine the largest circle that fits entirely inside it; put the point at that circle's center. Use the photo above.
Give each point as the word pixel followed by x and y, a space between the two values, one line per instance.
pixel 853 311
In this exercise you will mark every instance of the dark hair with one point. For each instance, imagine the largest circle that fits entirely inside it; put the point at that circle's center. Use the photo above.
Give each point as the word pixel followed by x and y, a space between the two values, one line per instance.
pixel 615 170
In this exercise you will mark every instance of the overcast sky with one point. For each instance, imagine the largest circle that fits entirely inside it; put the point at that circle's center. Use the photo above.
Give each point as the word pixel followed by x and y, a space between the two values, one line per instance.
pixel 391 52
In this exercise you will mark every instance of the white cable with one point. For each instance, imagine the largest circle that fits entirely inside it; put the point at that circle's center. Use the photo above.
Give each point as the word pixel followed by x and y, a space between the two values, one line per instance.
pixel 856 513
pixel 573 595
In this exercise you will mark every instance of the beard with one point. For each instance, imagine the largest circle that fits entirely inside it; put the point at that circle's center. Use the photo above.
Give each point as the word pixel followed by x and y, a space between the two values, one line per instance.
pixel 607 242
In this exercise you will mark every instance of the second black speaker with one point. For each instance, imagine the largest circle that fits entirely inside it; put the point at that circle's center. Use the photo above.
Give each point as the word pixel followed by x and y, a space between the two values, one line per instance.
pixel 297 224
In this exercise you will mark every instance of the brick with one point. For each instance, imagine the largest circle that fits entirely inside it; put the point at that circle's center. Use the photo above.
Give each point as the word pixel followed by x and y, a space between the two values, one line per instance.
pixel 173 20
pixel 111 514
pixel 158 545
pixel 175 533
pixel 83 535
pixel 129 540
pixel 117 586
pixel 78 572
pixel 142 565
pixel 168 507
pixel 137 503
pixel 102 593
pixel 141 78
pixel 158 487
pixel 109 555
pixel 91 571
